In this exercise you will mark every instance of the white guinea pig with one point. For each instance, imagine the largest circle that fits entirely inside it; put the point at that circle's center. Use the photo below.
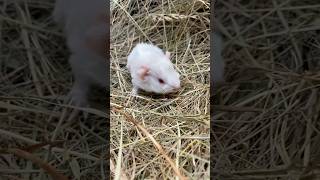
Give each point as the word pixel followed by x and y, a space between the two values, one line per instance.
pixel 85 26
pixel 152 70
pixel 217 71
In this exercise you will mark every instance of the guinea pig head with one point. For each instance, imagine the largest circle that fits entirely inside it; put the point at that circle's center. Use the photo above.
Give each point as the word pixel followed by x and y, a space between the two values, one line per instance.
pixel 160 77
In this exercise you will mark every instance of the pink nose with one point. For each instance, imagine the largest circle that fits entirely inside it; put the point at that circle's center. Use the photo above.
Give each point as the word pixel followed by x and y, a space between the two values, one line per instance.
pixel 176 87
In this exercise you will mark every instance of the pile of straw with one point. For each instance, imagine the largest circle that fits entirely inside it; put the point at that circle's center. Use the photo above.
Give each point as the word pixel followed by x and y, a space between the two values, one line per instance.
pixel 266 117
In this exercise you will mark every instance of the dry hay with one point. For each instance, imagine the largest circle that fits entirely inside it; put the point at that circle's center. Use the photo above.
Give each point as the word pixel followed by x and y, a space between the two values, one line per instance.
pixel 179 122
pixel 266 118
pixel 34 78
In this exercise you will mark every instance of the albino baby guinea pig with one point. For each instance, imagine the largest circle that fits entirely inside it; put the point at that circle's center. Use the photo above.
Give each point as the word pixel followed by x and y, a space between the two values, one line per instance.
pixel 85 25
pixel 152 70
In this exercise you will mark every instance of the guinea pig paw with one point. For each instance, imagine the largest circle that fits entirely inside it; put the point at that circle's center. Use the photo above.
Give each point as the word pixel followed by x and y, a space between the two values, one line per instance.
pixel 168 54
pixel 78 98
pixel 134 91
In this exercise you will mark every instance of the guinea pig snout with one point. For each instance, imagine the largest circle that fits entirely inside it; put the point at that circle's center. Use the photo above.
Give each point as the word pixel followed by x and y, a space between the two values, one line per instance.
pixel 176 87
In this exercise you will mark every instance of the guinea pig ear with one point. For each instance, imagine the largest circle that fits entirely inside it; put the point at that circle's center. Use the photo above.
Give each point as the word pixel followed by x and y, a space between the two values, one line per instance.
pixel 168 54
pixel 143 72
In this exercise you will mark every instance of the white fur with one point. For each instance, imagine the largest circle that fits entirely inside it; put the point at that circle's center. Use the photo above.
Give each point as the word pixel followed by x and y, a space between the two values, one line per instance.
pixel 160 66
pixel 79 21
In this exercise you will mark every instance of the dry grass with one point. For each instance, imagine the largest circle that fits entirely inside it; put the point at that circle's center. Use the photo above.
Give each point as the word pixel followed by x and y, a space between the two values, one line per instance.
pixel 173 127
pixel 266 122
pixel 34 78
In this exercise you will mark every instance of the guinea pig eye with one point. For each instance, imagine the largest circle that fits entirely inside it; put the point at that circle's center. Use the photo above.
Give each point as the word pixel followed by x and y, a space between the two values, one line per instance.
pixel 161 81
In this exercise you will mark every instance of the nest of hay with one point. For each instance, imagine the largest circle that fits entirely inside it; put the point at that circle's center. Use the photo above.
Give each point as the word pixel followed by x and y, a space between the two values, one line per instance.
pixel 35 77
pixel 178 122
pixel 266 121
